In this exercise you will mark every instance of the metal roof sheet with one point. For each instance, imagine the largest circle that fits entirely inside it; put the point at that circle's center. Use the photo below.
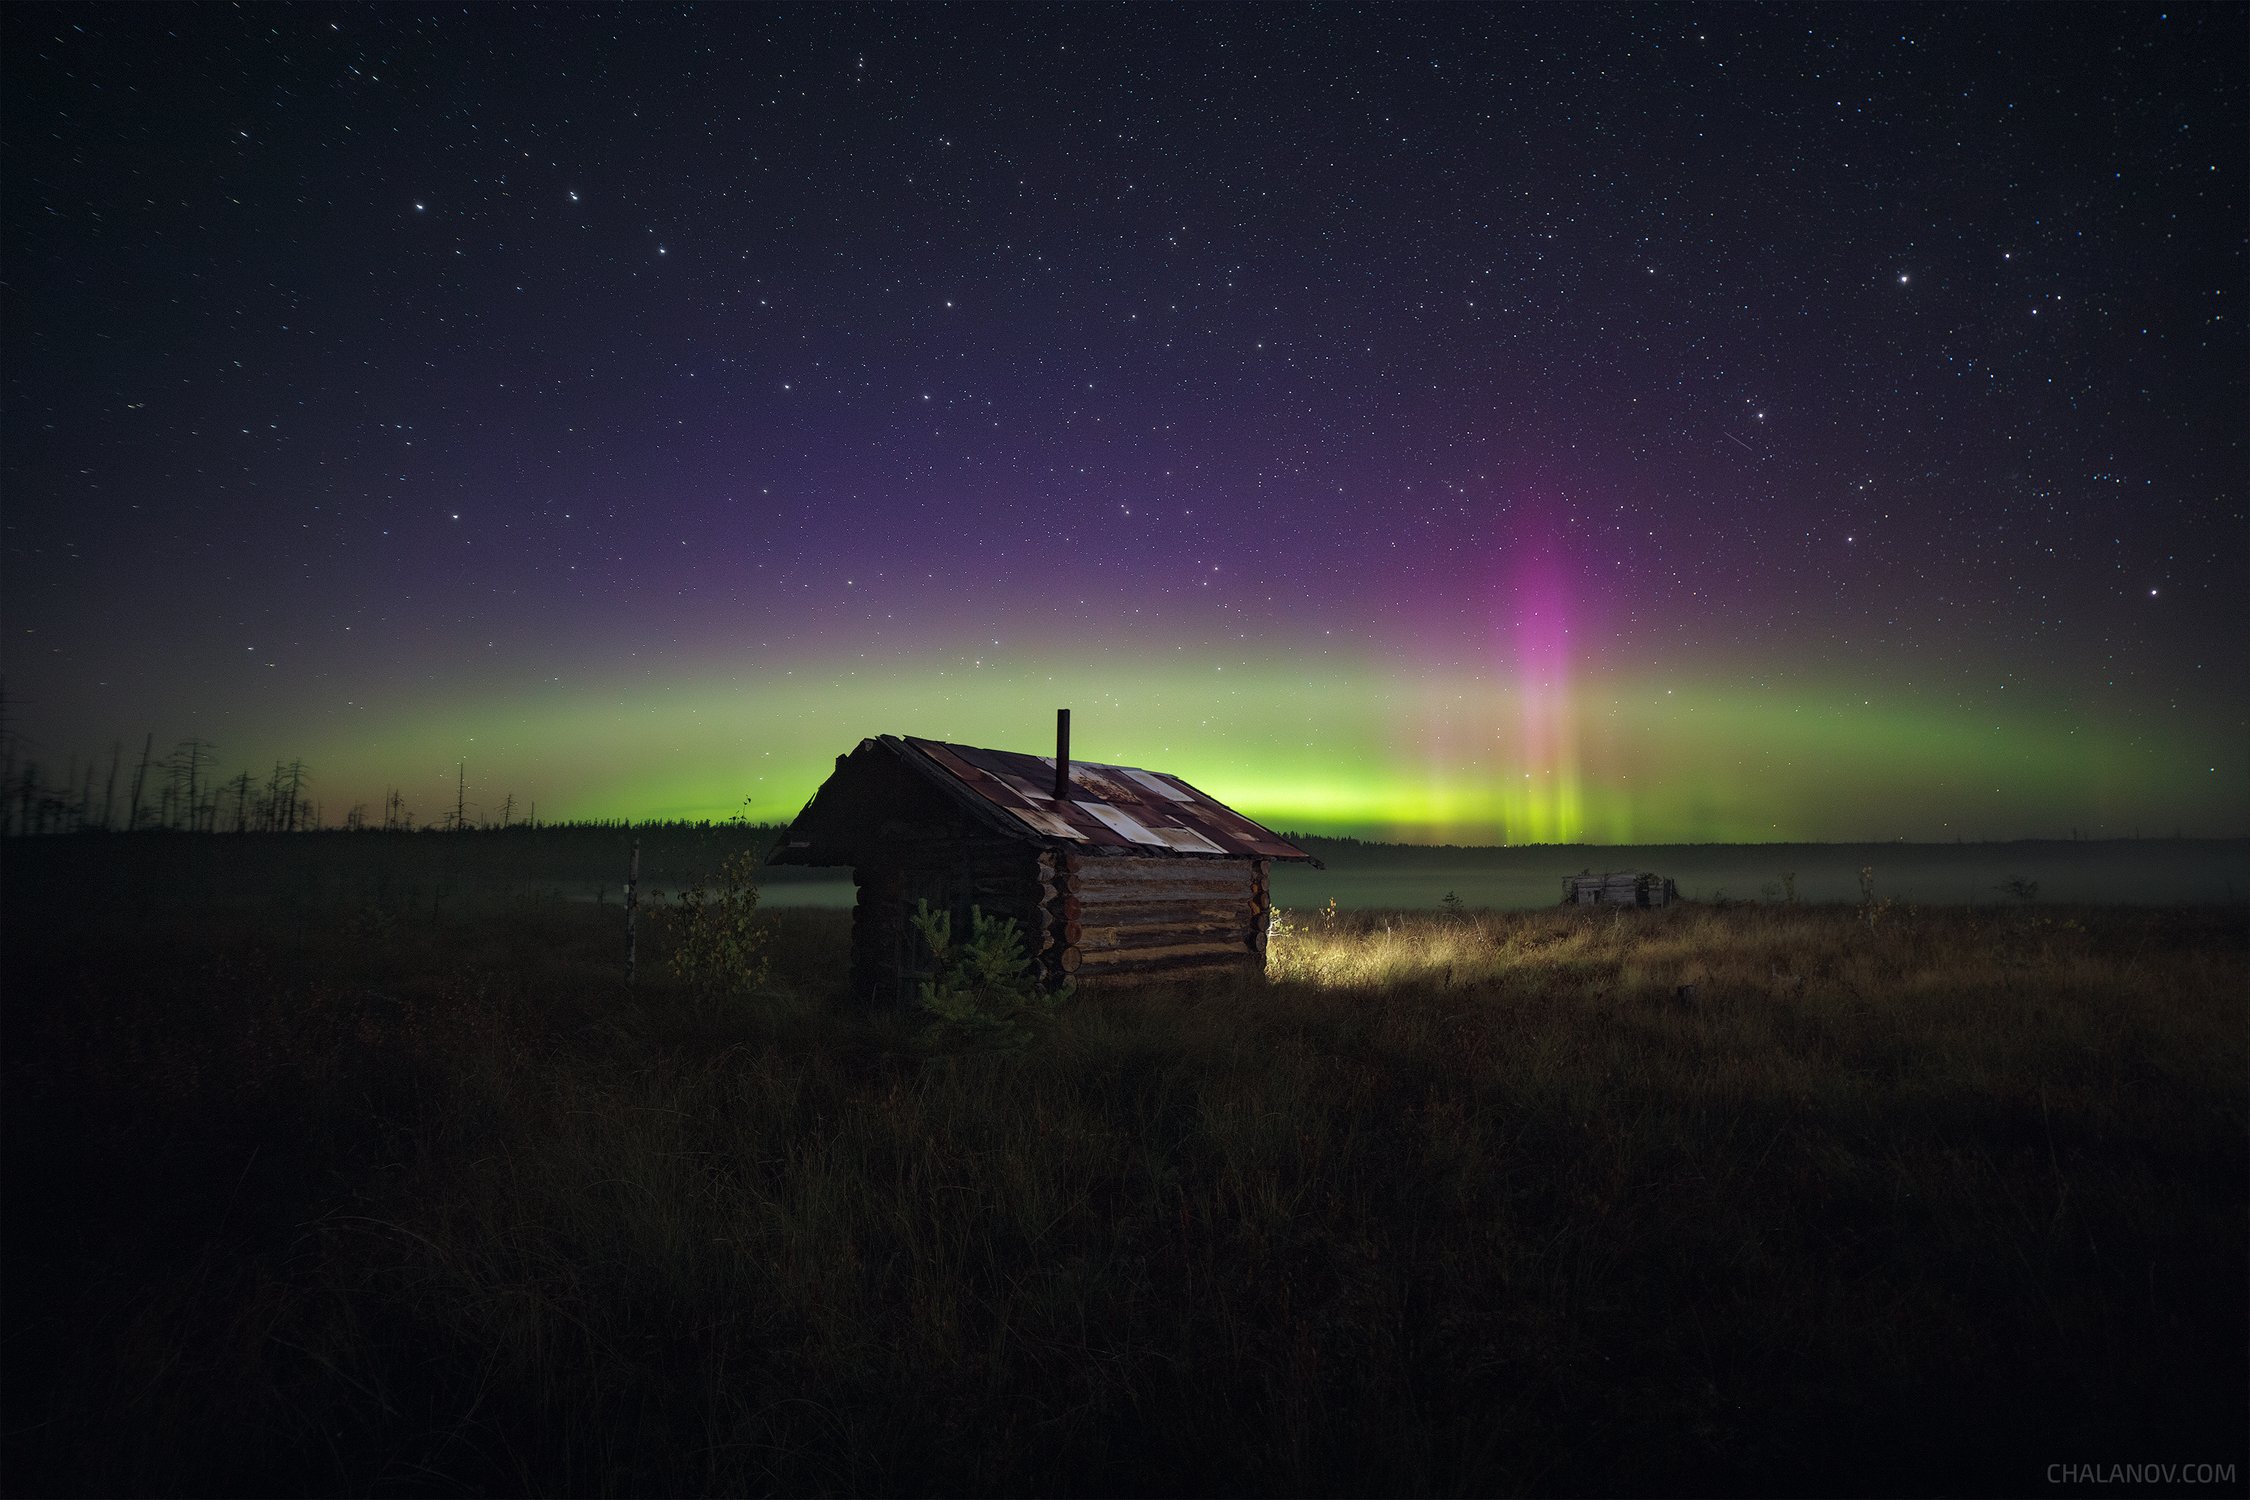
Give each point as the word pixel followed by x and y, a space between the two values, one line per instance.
pixel 1110 807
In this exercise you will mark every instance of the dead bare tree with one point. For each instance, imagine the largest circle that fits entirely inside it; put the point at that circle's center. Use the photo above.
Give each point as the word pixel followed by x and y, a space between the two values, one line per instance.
pixel 297 780
pixel 140 778
pixel 186 764
pixel 109 798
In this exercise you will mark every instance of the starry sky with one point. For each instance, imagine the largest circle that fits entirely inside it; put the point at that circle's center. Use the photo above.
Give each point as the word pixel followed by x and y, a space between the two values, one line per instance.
pixel 1439 423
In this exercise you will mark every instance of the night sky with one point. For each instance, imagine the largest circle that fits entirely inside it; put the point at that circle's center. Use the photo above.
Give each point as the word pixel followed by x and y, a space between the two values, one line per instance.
pixel 1437 423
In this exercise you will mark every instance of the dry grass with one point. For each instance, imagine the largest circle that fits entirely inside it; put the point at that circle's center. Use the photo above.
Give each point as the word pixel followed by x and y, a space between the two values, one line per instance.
pixel 1454 1206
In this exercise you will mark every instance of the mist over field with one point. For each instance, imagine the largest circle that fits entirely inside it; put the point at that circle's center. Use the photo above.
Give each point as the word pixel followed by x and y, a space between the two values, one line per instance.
pixel 2150 872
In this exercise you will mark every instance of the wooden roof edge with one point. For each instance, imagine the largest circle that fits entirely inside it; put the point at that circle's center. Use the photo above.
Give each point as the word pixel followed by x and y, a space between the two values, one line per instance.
pixel 991 814
pixel 1153 851
pixel 803 851
pixel 1253 822
pixel 998 819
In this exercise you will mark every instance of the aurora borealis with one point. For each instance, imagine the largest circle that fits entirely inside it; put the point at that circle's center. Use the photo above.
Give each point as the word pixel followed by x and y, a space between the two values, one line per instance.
pixel 1442 424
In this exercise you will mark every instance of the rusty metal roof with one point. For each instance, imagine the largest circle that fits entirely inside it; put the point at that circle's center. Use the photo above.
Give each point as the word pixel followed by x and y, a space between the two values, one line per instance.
pixel 1114 808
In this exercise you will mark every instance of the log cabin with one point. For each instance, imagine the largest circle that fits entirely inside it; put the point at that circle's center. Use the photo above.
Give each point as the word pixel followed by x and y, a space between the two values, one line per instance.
pixel 1115 875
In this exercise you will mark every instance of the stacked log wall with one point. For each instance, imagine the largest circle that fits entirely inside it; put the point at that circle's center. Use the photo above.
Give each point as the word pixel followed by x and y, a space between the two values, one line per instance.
pixel 1085 918
pixel 1125 919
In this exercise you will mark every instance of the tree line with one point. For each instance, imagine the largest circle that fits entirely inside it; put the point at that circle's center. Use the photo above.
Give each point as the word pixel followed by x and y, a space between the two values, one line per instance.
pixel 182 791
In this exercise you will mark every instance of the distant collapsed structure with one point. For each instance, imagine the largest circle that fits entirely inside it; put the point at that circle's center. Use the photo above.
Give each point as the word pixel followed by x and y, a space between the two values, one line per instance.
pixel 1630 888
pixel 1114 874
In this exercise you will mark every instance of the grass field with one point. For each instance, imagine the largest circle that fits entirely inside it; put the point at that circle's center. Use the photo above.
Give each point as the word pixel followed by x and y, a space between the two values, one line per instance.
pixel 353 1195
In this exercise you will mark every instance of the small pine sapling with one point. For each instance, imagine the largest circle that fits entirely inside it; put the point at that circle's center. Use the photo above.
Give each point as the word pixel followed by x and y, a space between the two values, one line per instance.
pixel 983 991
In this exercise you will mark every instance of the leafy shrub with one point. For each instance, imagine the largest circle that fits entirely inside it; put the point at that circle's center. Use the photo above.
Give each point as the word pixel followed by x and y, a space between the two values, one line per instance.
pixel 718 943
pixel 985 992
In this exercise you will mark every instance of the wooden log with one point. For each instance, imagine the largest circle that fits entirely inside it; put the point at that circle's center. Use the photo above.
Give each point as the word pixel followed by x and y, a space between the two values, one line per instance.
pixel 1121 870
pixel 1010 880
pixel 1170 890
pixel 1156 898
pixel 1149 885
pixel 1200 908
pixel 1127 982
pixel 947 859
pixel 1187 971
pixel 1112 957
pixel 1126 867
pixel 1013 894
pixel 1170 933
pixel 1068 960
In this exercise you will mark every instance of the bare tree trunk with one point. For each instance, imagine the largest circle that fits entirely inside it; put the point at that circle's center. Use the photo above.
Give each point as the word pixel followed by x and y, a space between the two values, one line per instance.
pixel 109 798
pixel 140 779
pixel 193 755
pixel 296 788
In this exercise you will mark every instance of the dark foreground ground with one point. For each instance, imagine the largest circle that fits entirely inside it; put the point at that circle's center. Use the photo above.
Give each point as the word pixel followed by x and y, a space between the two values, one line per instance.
pixel 370 1199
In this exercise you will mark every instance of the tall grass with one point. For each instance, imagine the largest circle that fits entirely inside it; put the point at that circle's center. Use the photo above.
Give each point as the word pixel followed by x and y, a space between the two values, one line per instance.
pixel 1453 1206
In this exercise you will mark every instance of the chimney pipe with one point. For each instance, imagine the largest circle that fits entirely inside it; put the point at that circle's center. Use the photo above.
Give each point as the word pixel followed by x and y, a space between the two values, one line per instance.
pixel 1062 755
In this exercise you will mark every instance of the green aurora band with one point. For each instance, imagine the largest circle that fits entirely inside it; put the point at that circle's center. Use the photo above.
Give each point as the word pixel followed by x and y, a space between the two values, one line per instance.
pixel 1371 749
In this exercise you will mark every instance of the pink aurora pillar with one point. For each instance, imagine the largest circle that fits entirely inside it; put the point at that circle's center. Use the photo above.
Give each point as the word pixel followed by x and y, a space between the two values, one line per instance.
pixel 1541 800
